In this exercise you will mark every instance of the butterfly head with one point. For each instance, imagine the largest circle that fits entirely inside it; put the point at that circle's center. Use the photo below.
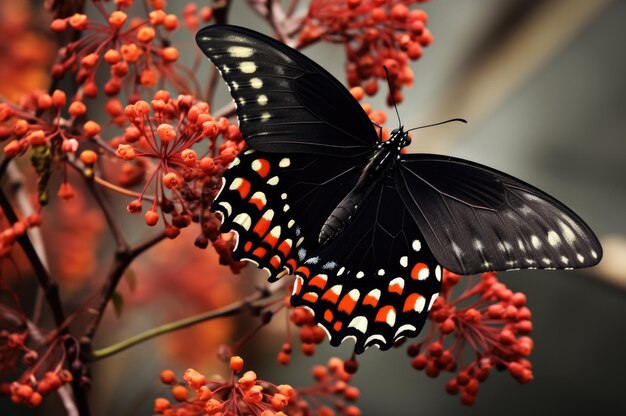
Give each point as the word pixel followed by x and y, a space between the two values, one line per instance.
pixel 399 137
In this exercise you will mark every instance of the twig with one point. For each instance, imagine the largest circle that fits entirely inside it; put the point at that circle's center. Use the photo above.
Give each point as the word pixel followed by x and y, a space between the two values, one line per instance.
pixel 230 310
pixel 122 260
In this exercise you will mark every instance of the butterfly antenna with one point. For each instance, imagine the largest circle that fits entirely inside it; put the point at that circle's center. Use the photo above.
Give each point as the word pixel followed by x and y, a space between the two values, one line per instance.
pixel 462 120
pixel 393 100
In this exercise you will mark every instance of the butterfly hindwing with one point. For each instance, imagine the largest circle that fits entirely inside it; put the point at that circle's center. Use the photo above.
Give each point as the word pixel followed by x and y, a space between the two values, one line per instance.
pixel 374 283
pixel 277 204
pixel 475 218
pixel 286 103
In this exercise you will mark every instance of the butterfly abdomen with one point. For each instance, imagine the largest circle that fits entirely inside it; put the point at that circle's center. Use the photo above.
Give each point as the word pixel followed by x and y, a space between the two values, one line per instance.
pixel 373 172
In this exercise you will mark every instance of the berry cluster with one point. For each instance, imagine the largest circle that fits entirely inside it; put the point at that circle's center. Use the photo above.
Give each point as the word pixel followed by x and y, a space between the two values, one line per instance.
pixel 165 135
pixel 136 51
pixel 245 394
pixel 9 235
pixel 373 32
pixel 22 344
pixel 495 324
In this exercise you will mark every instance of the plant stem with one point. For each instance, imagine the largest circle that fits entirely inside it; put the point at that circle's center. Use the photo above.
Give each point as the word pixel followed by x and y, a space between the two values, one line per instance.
pixel 230 310
pixel 123 258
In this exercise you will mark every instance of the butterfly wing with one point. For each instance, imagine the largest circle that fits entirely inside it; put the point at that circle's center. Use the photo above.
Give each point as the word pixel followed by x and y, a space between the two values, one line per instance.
pixel 477 219
pixel 277 204
pixel 286 103
pixel 376 281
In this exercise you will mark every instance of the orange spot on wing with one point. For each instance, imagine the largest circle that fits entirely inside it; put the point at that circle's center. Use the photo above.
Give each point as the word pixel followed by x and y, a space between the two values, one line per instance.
pixel 317 281
pixel 370 300
pixel 304 271
pixel 258 203
pixel 416 270
pixel 275 262
pixel 330 296
pixel 264 168
pixel 310 297
pixel 292 263
pixel 247 246
pixel 411 300
pixel 346 305
pixel 285 248
pixel 381 316
pixel 337 326
pixel 328 315
pixel 259 252
pixel 271 240
pixel 244 188
pixel 396 288
pixel 261 227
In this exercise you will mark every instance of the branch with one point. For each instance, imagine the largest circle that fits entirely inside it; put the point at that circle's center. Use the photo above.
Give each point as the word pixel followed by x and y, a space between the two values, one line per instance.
pixel 123 258
pixel 230 310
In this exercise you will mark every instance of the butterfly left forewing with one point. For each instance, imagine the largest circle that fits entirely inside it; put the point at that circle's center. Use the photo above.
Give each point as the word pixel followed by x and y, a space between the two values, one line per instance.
pixel 477 219
pixel 286 103
pixel 376 281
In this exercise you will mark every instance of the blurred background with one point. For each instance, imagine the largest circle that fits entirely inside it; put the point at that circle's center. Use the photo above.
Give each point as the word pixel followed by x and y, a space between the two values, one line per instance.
pixel 542 85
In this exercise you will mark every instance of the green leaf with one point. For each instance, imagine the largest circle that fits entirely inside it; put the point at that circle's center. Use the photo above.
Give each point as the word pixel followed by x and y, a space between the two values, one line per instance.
pixel 118 302
pixel 131 279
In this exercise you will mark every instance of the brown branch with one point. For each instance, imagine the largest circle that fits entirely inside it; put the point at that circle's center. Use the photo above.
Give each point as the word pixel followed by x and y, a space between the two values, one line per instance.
pixel 122 260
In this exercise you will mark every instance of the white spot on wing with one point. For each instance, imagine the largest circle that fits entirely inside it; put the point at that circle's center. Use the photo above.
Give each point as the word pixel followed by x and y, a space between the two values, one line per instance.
pixel 256 83
pixel 262 100
pixel 284 162
pixel 359 323
pixel 265 116
pixel 404 261
pixel 416 245
pixel 553 239
pixel 247 67
pixel 244 220
pixel 360 275
pixel 240 52
pixel 438 272
pixel 404 329
pixel 340 271
pixel 432 300
pixel 227 207
pixel 535 241
pixel 381 272
pixel 273 181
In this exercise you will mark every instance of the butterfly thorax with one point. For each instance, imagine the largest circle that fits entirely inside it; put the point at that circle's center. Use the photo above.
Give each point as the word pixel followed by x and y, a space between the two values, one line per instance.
pixel 383 158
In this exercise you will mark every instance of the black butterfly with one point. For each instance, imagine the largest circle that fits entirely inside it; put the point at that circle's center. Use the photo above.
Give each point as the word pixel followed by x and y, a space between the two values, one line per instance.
pixel 366 230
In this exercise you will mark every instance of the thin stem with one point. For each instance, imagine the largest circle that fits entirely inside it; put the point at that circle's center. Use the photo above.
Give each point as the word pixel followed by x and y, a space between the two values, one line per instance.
pixel 122 260
pixel 230 310
pixel 110 219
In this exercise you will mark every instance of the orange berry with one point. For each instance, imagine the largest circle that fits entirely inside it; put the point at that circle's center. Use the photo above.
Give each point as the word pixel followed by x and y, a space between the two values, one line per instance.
pixel 145 34
pixel 156 17
pixel 194 378
pixel 170 54
pixel 352 411
pixel 90 89
pixel 206 13
pixel 91 128
pixel 161 404
pixel 132 134
pixel 142 107
pixel 77 108
pixel 79 21
pixel 180 393
pixel 357 93
pixel 59 98
pixel 167 376
pixel 171 232
pixel 170 22
pixel 12 149
pixel 36 137
pixel 58 25
pixel 117 19
pixel 247 380
pixel 125 151
pixel 88 157
pixel 134 207
pixel 283 358
pixel 279 401
pixel 44 101
pixel 66 191
pixel 112 56
pixel 119 69
pixel 131 52
pixel 35 399
pixel 254 394
pixel 213 406
pixel 151 217
pixel 399 12
pixel 90 61
pixel 236 363
pixel 166 132
pixel 113 107
pixel 172 180
pixel 124 3
pixel 148 78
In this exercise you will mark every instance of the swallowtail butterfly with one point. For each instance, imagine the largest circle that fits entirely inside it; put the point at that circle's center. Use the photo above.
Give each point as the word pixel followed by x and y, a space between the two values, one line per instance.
pixel 365 229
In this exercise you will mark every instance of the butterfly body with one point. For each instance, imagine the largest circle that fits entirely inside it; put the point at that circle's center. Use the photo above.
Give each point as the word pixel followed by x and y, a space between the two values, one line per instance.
pixel 365 229
pixel 383 159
